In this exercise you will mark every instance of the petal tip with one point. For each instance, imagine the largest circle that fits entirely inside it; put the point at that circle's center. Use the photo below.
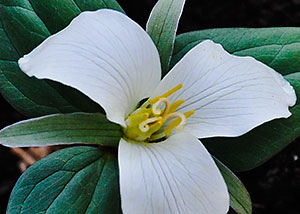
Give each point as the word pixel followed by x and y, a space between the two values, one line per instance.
pixel 284 84
pixel 286 87
pixel 209 42
pixel 24 64
pixel 290 91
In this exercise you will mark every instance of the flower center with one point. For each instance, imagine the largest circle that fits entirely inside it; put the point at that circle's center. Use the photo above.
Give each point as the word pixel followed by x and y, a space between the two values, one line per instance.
pixel 156 118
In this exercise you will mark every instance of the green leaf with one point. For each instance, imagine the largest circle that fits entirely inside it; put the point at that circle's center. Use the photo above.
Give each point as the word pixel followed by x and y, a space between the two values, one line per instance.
pixel 240 200
pixel 25 24
pixel 97 4
pixel 257 146
pixel 74 180
pixel 162 26
pixel 57 14
pixel 74 128
pixel 276 47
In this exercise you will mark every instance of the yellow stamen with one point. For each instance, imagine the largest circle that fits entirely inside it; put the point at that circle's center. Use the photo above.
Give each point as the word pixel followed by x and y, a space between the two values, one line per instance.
pixel 146 124
pixel 175 105
pixel 172 91
pixel 152 129
pixel 136 119
pixel 189 113
pixel 165 95
pixel 179 122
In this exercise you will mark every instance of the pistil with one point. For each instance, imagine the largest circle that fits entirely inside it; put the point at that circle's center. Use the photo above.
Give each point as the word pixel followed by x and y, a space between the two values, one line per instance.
pixel 145 124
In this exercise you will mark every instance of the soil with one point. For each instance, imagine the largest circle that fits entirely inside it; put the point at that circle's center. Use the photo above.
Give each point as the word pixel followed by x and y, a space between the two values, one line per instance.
pixel 274 186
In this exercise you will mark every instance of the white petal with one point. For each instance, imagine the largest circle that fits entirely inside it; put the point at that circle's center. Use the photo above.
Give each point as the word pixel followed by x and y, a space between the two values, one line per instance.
pixel 171 177
pixel 105 55
pixel 230 95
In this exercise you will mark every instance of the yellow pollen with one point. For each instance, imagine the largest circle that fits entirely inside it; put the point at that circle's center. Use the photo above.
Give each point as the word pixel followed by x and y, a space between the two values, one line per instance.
pixel 175 105
pixel 189 113
pixel 145 124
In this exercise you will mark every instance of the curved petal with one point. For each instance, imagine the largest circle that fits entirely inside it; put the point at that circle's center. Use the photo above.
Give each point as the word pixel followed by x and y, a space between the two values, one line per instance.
pixel 105 55
pixel 171 177
pixel 230 95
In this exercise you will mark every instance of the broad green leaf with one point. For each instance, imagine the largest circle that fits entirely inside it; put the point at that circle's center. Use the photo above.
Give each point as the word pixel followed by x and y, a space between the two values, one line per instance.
pixel 240 200
pixel 57 14
pixel 30 96
pixel 74 128
pixel 276 47
pixel 260 144
pixel 96 4
pixel 23 28
pixel 34 97
pixel 25 24
pixel 162 26
pixel 77 180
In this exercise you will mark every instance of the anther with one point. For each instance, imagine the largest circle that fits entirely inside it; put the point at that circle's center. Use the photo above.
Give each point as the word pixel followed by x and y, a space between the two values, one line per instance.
pixel 165 95
pixel 172 91
pixel 179 122
pixel 174 106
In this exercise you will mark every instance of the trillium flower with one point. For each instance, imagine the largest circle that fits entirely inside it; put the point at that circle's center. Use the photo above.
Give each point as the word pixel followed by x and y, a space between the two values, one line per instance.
pixel 163 166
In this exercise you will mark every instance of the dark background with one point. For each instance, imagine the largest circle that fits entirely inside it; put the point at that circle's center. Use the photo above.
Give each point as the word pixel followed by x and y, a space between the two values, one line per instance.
pixel 274 186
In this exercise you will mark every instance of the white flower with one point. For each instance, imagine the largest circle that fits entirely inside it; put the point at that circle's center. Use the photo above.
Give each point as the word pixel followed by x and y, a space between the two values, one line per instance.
pixel 209 93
